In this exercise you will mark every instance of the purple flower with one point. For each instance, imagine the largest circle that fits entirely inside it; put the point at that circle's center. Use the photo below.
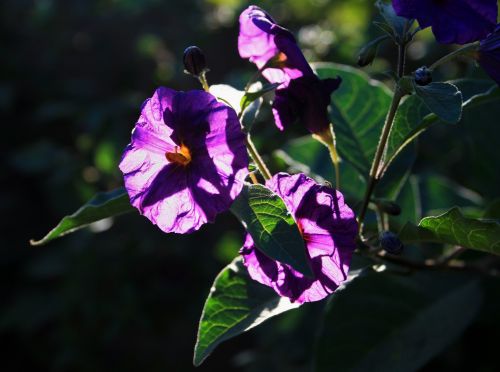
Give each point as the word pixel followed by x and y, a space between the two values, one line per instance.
pixel 452 21
pixel 187 160
pixel 329 229
pixel 262 40
pixel 274 50
pixel 489 54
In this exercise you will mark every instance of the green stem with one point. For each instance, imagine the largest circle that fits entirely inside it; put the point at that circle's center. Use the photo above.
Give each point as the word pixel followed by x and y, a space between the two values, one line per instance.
pixel 401 60
pixel 203 80
pixel 258 159
pixel 374 171
pixel 336 163
pixel 456 53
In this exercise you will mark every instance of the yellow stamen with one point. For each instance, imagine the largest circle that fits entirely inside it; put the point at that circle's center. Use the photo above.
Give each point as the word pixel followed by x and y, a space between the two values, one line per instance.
pixel 181 156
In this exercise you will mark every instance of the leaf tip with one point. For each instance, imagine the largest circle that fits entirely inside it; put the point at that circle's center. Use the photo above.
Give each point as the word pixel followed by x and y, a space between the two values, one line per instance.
pixel 36 243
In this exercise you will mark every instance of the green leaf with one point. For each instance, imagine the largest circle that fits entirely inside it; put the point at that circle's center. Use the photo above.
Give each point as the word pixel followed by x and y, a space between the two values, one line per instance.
pixel 453 228
pixel 308 156
pixel 250 114
pixel 389 322
pixel 359 108
pixel 414 117
pixel 249 97
pixel 273 229
pixel 228 94
pixel 103 205
pixel 442 99
pixel 398 24
pixel 236 303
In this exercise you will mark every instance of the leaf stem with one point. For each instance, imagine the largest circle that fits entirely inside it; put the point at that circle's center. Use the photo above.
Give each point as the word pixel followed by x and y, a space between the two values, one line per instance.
pixel 258 159
pixel 456 53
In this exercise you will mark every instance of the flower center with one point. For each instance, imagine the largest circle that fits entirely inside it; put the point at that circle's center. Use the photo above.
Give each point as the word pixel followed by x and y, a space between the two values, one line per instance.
pixel 301 229
pixel 278 61
pixel 181 156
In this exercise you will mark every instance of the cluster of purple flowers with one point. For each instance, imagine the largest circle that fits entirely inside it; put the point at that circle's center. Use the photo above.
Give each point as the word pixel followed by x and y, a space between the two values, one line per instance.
pixel 460 22
pixel 187 160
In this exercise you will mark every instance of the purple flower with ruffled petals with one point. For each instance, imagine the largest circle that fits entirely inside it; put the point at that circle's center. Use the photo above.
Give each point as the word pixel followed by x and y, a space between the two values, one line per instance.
pixel 452 21
pixel 187 160
pixel 274 50
pixel 489 54
pixel 329 229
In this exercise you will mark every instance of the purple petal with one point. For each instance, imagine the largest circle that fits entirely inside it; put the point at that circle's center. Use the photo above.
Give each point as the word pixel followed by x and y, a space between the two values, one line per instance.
pixel 489 54
pixel 255 41
pixel 452 21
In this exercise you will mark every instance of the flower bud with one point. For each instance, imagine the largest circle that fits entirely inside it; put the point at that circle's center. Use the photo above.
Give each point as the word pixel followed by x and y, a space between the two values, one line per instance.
pixel 368 52
pixel 423 76
pixel 194 61
pixel 390 242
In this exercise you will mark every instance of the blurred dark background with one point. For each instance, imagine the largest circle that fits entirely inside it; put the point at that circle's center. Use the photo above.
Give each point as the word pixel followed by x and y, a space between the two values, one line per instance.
pixel 121 295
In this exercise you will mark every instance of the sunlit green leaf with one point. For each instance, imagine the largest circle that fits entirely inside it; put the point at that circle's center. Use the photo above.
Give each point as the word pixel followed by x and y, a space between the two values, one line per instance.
pixel 236 303
pixel 103 205
pixel 272 227
pixel 453 228
pixel 359 108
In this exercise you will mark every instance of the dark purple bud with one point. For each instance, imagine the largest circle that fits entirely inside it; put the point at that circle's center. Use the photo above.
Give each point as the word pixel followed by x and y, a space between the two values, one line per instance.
pixel 390 242
pixel 423 76
pixel 194 61
pixel 369 51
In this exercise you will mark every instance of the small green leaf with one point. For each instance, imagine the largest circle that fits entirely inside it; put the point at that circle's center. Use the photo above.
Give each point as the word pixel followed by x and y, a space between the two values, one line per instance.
pixel 236 303
pixel 385 28
pixel 453 228
pixel 103 205
pixel 273 229
pixel 442 99
pixel 249 97
pixel 250 114
pixel 398 24
pixel 389 322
